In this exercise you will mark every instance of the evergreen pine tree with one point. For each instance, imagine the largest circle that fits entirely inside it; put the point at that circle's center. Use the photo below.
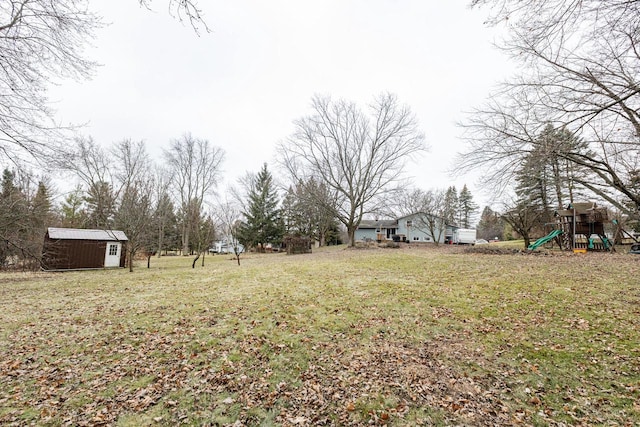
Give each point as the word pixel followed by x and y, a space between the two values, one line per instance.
pixel 530 210
pixel 41 207
pixel 9 188
pixel 41 217
pixel 533 188
pixel 7 216
pixel 549 153
pixel 101 205
pixel 72 209
pixel 291 213
pixel 165 224
pixel 466 207
pixel 263 222
pixel 450 207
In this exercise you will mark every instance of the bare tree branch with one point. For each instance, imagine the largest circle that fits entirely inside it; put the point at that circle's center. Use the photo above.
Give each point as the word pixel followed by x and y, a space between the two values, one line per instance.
pixel 40 41
pixel 185 10
pixel 194 165
pixel 357 157
pixel 581 72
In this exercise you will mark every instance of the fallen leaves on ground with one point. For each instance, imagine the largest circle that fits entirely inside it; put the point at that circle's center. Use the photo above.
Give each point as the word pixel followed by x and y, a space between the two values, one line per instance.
pixel 384 348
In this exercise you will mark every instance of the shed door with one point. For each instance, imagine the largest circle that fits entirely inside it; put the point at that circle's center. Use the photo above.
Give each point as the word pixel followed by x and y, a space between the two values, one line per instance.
pixel 112 255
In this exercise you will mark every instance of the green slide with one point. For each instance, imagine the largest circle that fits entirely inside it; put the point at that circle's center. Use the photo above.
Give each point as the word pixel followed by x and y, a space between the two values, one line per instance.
pixel 541 241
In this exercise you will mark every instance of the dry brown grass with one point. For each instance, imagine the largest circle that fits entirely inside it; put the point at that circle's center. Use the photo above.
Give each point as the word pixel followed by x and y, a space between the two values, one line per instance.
pixel 419 335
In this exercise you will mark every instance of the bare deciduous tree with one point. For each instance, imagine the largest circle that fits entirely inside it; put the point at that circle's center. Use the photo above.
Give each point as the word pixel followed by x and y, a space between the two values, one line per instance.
pixel 429 208
pixel 163 210
pixel 204 234
pixel 119 189
pixel 135 205
pixel 88 161
pixel 42 41
pixel 304 215
pixel 582 74
pixel 357 157
pixel 92 165
pixel 194 165
pixel 523 218
pixel 228 214
pixel 184 10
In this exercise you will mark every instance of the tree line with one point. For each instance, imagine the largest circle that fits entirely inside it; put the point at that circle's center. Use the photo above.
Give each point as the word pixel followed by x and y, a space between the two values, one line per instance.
pixel 176 204
pixel 565 129
pixel 342 163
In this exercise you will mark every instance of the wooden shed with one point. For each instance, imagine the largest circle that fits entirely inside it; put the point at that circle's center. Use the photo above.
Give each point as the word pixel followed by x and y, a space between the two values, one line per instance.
pixel 74 249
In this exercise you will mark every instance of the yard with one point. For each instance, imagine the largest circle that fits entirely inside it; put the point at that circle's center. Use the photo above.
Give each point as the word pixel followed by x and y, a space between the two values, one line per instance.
pixel 410 336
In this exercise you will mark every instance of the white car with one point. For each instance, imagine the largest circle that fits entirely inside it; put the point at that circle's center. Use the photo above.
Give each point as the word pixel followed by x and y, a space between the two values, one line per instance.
pixel 226 248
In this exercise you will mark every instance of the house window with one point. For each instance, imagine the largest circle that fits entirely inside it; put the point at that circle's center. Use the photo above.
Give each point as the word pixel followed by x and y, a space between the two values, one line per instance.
pixel 113 250
pixel 416 238
pixel 409 223
pixel 390 232
pixel 427 239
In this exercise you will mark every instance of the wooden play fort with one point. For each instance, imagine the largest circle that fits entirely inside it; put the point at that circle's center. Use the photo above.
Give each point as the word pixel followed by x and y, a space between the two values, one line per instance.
pixel 579 227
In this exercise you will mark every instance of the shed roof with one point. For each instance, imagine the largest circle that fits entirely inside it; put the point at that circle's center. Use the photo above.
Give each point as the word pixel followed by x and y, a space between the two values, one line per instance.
pixel 86 234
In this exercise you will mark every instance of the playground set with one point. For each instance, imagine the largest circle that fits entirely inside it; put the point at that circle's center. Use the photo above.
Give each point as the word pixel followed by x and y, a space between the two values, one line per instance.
pixel 580 228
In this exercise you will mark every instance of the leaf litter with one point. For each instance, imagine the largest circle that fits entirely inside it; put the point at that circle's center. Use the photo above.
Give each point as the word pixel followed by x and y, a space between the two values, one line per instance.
pixel 246 360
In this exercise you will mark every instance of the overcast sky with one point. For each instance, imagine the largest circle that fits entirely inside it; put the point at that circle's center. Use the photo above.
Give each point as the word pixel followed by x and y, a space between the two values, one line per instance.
pixel 242 85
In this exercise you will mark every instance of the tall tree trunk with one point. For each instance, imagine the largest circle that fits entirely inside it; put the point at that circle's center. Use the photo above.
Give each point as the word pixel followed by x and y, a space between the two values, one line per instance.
pixel 185 238
pixel 557 180
pixel 351 232
pixel 570 183
pixel 160 239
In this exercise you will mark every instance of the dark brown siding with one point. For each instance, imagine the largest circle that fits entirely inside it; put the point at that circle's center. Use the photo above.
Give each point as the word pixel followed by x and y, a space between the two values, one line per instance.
pixel 72 254
pixel 123 255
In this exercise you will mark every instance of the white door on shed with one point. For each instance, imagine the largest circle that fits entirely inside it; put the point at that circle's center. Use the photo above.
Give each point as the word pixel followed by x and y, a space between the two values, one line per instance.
pixel 112 254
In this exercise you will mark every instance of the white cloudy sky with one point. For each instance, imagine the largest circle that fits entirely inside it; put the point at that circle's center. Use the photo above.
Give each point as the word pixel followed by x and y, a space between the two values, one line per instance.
pixel 243 84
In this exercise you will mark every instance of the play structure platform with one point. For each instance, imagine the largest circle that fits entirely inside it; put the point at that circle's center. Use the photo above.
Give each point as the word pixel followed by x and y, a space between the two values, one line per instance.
pixel 579 227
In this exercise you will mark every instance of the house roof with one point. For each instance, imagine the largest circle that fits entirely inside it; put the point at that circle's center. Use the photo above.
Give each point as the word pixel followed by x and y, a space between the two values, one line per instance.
pixel 371 223
pixel 424 213
pixel 391 223
pixel 86 234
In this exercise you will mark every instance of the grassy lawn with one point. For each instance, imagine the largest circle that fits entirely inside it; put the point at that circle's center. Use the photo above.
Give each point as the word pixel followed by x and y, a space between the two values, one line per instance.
pixel 412 336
